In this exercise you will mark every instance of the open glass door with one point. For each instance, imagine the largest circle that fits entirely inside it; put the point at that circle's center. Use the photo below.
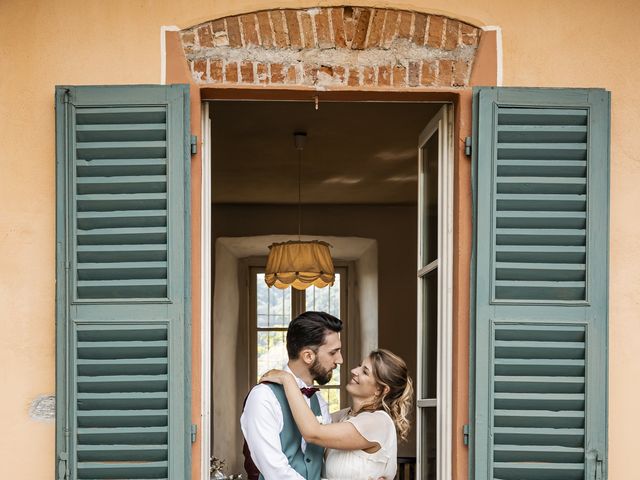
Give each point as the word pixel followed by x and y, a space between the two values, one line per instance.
pixel 435 231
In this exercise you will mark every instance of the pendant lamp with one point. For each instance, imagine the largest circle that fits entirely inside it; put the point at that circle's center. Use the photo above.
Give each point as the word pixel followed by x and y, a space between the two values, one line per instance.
pixel 297 263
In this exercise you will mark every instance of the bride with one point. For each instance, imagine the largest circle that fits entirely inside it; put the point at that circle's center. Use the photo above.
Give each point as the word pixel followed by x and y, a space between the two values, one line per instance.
pixel 361 442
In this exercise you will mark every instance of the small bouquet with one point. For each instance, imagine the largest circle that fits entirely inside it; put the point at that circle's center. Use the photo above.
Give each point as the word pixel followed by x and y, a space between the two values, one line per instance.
pixel 216 468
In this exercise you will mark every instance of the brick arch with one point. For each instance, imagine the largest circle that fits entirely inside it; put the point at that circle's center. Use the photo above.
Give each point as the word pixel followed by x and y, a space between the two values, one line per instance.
pixel 332 47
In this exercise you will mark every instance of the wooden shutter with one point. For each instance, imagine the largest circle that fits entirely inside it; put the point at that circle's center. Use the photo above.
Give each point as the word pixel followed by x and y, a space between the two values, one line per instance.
pixel 539 286
pixel 123 358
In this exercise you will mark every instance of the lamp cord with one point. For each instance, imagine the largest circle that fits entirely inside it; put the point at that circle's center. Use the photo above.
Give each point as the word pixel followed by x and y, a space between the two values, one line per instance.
pixel 299 194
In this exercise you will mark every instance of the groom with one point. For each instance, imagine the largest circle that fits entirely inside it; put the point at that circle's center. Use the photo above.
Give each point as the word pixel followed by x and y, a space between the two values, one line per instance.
pixel 276 446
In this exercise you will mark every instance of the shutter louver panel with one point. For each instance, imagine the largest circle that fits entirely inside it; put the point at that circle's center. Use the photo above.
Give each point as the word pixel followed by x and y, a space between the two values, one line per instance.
pixel 122 402
pixel 122 290
pixel 121 202
pixel 539 284
pixel 539 398
pixel 541 204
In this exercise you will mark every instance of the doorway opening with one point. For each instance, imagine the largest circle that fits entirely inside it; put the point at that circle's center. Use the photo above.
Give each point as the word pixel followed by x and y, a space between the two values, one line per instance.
pixel 376 184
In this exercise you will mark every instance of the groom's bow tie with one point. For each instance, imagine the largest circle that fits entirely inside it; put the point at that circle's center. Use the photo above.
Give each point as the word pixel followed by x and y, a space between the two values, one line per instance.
pixel 309 391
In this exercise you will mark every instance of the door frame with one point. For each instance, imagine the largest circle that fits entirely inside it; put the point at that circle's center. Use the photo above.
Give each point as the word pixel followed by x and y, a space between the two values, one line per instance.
pixel 460 233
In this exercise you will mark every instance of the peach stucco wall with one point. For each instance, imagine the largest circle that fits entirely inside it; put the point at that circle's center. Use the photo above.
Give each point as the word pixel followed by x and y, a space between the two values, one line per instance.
pixel 43 43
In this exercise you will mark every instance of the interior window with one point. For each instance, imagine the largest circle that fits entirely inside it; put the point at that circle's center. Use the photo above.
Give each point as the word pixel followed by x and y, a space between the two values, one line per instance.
pixel 271 311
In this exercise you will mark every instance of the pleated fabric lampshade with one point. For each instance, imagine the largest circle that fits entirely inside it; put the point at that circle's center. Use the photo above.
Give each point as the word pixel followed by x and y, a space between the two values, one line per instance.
pixel 299 264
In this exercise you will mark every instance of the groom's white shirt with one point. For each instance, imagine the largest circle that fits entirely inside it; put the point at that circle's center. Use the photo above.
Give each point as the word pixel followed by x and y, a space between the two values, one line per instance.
pixel 262 422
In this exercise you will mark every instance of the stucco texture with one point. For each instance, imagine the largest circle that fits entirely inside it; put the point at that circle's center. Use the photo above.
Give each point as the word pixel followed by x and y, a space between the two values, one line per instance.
pixel 42 43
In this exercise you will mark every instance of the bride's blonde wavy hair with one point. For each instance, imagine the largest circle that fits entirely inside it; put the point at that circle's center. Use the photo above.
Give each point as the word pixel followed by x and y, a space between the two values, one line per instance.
pixel 390 372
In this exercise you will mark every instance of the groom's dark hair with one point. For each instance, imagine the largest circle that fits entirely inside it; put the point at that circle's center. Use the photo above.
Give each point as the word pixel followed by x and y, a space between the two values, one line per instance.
pixel 308 330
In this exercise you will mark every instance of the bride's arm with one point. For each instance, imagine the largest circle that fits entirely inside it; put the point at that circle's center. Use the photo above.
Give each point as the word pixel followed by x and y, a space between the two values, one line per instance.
pixel 340 436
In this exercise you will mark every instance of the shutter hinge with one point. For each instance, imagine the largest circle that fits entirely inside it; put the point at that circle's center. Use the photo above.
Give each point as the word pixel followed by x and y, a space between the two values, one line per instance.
pixel 194 144
pixel 467 146
pixel 62 465
pixel 596 464
pixel 194 432
pixel 465 434
pixel 599 467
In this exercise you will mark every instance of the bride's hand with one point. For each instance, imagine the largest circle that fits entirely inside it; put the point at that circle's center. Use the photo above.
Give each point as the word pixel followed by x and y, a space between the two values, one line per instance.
pixel 276 376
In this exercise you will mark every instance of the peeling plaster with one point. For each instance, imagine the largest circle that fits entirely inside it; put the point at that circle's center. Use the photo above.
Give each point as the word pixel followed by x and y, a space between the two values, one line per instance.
pixel 43 408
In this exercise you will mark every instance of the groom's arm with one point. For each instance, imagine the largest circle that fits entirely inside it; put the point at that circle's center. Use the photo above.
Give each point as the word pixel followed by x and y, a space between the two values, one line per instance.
pixel 261 424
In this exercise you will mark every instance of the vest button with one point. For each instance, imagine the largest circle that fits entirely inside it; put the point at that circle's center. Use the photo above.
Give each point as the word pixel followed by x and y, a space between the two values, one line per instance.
pixel 308 460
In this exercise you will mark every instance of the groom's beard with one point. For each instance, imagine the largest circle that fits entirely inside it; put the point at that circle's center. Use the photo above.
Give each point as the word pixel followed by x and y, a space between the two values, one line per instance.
pixel 319 374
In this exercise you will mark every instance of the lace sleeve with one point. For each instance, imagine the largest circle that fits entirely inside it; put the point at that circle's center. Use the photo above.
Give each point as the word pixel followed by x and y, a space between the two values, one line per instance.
pixel 374 426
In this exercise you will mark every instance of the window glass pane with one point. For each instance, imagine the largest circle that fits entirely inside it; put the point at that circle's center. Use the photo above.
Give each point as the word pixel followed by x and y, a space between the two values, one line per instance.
pixel 273 305
pixel 430 334
pixel 325 299
pixel 428 443
pixel 272 351
pixel 332 396
pixel 335 378
pixel 430 208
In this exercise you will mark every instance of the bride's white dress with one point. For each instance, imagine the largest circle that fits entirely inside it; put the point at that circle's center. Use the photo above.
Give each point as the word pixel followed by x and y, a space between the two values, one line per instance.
pixel 358 465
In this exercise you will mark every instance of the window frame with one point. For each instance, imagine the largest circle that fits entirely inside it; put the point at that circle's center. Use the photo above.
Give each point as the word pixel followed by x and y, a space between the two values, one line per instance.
pixel 257 265
pixel 442 124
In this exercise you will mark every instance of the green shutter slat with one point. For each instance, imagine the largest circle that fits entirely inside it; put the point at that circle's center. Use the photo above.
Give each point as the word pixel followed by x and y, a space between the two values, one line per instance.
pixel 122 218
pixel 123 418
pixel 125 235
pixel 539 418
pixel 540 291
pixel 130 201
pixel 568 437
pixel 121 348
pixel 542 133
pixel 535 236
pixel 563 332
pixel 129 470
pixel 524 348
pixel 106 289
pixel 122 401
pixel 539 401
pixel 541 202
pixel 141 149
pixel 122 270
pixel 121 253
pixel 542 151
pixel 123 383
pixel 122 366
pixel 113 132
pixel 538 384
pixel 542 168
pixel 122 435
pixel 540 253
pixel 122 184
pixel 545 453
pixel 535 471
pixel 539 366
pixel 542 116
pixel 122 114
pixel 92 453
pixel 541 185
pixel 539 271
pixel 121 167
pixel 542 221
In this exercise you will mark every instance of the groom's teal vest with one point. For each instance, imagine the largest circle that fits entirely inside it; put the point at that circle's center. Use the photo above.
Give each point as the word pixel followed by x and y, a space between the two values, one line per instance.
pixel 307 463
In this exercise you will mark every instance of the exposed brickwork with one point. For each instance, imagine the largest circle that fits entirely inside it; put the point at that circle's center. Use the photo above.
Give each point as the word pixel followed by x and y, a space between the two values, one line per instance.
pixel 333 47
